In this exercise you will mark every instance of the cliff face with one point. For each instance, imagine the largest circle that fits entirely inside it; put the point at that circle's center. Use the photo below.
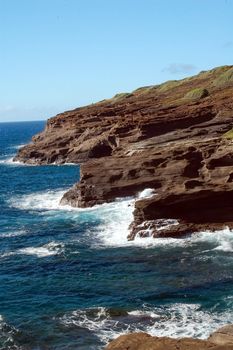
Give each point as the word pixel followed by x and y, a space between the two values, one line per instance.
pixel 174 138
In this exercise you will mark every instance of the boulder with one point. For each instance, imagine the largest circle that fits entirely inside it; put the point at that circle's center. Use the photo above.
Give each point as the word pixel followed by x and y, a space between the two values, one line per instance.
pixel 143 341
pixel 223 336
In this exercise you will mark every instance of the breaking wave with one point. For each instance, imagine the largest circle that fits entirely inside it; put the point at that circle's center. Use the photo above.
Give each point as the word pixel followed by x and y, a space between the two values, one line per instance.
pixel 115 219
pixel 10 161
pixel 147 193
pixel 49 249
pixel 17 147
pixel 49 200
pixel 13 234
pixel 52 248
pixel 7 161
pixel 8 334
pixel 176 320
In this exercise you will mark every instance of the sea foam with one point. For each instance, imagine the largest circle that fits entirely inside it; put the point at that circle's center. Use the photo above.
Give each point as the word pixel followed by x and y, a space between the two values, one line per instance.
pixel 49 249
pixel 115 219
pixel 12 234
pixel 10 162
pixel 7 335
pixel 52 248
pixel 175 320
pixel 49 200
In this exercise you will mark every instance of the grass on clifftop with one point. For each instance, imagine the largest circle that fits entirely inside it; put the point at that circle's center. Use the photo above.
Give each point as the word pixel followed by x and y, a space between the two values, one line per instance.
pixel 169 85
pixel 121 95
pixel 178 92
pixel 143 89
pixel 224 79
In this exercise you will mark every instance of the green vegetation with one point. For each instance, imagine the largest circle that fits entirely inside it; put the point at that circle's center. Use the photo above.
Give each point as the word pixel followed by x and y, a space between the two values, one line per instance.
pixel 225 78
pixel 197 94
pixel 168 85
pixel 228 134
pixel 121 95
pixel 143 89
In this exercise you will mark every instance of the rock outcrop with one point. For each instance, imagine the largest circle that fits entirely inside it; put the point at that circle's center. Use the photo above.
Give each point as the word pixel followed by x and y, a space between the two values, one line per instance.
pixel 223 336
pixel 175 138
pixel 143 341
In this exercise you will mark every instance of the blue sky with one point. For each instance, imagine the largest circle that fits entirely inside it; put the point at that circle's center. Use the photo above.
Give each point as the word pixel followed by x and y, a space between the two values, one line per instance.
pixel 60 54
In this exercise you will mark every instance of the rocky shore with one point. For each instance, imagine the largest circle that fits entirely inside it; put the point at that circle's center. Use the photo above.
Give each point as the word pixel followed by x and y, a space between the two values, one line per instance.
pixel 222 339
pixel 175 138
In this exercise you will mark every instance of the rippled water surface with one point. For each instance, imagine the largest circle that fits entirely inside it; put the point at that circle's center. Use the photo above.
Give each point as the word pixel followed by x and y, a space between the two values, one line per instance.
pixel 70 280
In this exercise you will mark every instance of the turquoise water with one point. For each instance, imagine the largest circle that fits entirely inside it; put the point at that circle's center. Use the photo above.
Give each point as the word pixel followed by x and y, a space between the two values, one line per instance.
pixel 70 280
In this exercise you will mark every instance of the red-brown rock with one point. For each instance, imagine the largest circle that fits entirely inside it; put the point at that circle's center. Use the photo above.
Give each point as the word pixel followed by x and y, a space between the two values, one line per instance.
pixel 173 138
pixel 143 341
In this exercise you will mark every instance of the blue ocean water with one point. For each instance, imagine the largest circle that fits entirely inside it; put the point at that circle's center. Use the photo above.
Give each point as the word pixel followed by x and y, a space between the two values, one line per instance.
pixel 70 280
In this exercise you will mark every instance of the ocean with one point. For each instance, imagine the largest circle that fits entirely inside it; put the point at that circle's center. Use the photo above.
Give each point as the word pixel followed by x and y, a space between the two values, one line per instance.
pixel 69 279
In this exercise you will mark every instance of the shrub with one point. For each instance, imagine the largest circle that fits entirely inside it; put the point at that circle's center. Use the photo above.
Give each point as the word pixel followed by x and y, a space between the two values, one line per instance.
pixel 197 94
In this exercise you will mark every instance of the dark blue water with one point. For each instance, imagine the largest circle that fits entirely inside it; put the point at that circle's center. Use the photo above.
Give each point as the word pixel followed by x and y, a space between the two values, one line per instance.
pixel 70 280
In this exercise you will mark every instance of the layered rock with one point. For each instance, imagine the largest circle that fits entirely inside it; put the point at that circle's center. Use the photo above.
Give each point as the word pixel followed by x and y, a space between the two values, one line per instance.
pixel 174 138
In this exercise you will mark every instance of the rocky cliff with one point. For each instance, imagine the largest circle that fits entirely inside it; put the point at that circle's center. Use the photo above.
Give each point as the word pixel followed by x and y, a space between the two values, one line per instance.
pixel 175 138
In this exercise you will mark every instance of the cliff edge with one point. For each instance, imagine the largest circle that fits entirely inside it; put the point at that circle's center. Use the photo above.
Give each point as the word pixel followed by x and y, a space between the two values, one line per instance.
pixel 175 138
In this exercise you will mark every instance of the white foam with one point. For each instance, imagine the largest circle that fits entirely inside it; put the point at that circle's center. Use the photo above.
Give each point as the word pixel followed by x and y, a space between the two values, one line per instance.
pixel 5 255
pixel 118 217
pixel 49 200
pixel 80 318
pixel 99 323
pixel 221 240
pixel 186 320
pixel 225 246
pixel 143 313
pixel 12 234
pixel 217 240
pixel 10 161
pixel 64 164
pixel 19 146
pixel 52 248
pixel 176 321
pixel 147 193
pixel 7 335
pixel 115 219
pixel 146 229
pixel 49 249
pixel 7 161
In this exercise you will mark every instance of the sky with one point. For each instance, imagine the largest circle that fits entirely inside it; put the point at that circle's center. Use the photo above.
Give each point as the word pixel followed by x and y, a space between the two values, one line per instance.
pixel 56 55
